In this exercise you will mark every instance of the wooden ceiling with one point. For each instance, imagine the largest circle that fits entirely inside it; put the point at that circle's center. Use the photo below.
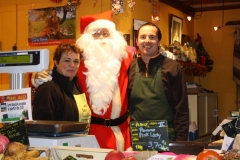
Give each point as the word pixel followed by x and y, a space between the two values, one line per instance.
pixel 191 6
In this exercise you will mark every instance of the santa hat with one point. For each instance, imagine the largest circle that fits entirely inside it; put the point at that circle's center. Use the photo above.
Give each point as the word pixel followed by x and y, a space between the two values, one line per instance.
pixel 92 22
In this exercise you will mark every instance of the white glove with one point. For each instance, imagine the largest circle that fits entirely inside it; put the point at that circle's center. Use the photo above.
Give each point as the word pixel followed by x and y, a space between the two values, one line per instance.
pixel 38 78
pixel 168 54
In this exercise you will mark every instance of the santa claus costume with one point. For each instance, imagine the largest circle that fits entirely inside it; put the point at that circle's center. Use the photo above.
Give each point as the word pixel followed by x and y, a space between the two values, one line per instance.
pixel 103 77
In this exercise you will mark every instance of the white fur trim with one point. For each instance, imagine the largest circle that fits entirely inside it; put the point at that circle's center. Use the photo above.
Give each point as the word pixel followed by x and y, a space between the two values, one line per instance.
pixel 119 138
pixel 116 103
pixel 98 24
pixel 33 80
pixel 116 110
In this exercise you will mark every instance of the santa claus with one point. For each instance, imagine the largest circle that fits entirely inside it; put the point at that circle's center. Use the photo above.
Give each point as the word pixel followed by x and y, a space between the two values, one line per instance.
pixel 103 77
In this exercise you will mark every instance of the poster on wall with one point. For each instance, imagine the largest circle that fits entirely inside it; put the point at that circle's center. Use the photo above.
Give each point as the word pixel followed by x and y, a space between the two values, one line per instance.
pixel 136 25
pixel 176 29
pixel 15 105
pixel 51 26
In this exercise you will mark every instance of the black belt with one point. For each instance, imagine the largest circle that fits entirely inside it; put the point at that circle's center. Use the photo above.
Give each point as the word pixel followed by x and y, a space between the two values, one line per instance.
pixel 110 122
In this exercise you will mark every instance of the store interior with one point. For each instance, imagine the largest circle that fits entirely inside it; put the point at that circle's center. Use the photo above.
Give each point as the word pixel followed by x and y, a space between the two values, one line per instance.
pixel 221 87
pixel 219 44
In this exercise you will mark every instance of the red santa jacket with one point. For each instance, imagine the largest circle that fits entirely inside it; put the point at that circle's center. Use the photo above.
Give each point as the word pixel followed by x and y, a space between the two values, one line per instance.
pixel 111 137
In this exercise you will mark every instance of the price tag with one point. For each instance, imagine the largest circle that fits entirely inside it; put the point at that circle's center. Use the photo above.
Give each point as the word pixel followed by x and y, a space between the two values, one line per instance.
pixel 149 135
pixel 16 132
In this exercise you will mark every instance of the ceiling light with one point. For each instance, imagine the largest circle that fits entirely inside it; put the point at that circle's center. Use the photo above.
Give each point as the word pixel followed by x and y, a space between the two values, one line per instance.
pixel 216 28
pixel 189 18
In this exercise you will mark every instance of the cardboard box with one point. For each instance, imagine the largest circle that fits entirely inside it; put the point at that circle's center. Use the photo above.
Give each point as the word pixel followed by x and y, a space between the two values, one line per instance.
pixel 78 153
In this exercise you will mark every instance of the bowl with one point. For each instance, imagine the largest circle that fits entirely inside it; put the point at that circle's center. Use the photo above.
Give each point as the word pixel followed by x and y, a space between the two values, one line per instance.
pixel 187 147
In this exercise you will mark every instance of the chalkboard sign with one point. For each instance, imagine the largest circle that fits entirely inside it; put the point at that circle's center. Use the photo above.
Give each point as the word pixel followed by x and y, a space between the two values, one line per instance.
pixel 16 132
pixel 149 135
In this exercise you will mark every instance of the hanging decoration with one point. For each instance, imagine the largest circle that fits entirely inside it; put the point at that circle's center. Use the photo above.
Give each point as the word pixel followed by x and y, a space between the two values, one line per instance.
pixel 236 57
pixel 117 6
pixel 56 1
pixel 155 19
pixel 155 11
pixel 131 5
pixel 95 3
pixel 194 69
pixel 73 3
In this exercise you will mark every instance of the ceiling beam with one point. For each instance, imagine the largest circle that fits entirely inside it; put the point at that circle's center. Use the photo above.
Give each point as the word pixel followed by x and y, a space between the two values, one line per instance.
pixel 189 7
pixel 233 23
pixel 217 8
pixel 175 4
pixel 198 2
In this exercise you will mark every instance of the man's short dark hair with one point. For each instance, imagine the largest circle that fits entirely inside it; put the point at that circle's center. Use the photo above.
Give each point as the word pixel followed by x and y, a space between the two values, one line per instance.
pixel 159 34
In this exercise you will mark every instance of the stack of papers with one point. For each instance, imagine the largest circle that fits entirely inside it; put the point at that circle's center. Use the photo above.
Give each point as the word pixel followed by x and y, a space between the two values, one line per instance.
pixel 192 85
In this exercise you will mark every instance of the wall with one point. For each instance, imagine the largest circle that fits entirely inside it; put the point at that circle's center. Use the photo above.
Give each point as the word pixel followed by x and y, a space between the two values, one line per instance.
pixel 219 45
pixel 14 23
pixel 142 12
pixel 14 29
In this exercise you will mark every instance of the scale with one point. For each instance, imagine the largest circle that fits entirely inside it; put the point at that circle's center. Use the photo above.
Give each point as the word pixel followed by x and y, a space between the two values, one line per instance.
pixel 15 103
pixel 19 62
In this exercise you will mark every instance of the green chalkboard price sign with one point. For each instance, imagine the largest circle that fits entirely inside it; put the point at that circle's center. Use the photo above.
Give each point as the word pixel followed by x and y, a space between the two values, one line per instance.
pixel 149 135
pixel 16 132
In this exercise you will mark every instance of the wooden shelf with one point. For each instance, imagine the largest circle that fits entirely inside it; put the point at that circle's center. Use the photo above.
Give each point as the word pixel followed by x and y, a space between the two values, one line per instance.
pixel 194 69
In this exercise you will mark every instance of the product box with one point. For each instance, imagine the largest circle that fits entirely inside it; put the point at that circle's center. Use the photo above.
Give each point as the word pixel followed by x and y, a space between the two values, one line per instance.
pixel 140 155
pixel 78 153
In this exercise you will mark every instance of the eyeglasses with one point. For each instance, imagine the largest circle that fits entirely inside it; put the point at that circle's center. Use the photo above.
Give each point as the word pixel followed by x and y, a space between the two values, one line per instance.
pixel 103 33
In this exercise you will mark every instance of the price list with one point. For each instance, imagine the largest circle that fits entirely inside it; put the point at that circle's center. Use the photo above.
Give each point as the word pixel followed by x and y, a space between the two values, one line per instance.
pixel 149 135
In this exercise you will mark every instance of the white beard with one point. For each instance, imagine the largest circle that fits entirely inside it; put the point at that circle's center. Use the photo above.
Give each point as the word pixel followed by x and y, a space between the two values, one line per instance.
pixel 103 60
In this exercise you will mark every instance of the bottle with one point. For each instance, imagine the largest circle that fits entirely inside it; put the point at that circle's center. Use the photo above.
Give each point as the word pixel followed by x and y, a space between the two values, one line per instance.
pixel 174 50
pixel 14 47
pixel 194 58
pixel 190 54
pixel 193 131
pixel 185 46
pixel 185 50
pixel 170 48
pixel 178 50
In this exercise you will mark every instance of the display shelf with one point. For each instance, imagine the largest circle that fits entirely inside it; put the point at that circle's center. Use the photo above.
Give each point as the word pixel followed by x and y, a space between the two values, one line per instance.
pixel 194 69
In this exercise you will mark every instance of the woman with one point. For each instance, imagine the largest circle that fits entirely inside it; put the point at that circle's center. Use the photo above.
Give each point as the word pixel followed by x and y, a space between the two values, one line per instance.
pixel 61 99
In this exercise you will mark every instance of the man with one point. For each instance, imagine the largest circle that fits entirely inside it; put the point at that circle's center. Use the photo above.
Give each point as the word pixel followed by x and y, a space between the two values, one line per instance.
pixel 157 87
pixel 102 76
